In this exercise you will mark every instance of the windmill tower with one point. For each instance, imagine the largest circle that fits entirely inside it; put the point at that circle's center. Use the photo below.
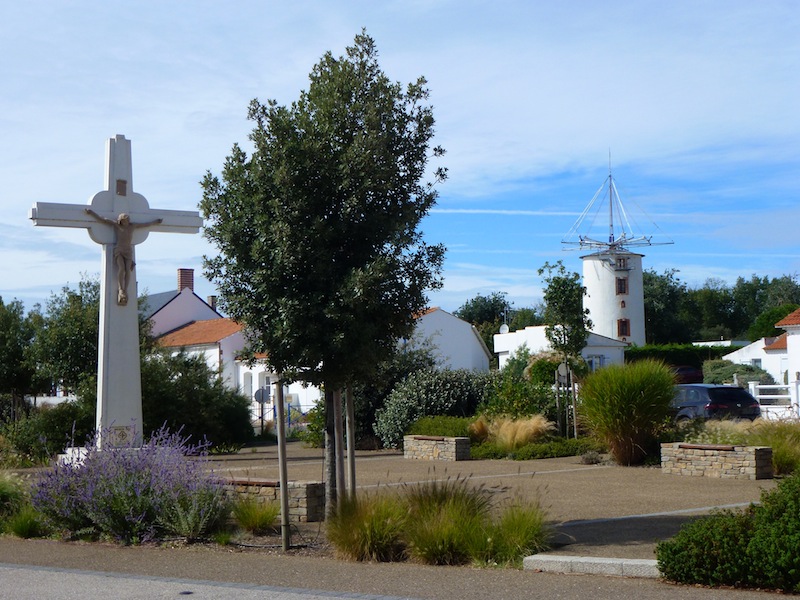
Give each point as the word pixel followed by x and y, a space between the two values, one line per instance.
pixel 612 273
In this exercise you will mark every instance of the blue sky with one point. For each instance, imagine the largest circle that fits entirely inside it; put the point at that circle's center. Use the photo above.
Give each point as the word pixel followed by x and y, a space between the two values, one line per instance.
pixel 697 102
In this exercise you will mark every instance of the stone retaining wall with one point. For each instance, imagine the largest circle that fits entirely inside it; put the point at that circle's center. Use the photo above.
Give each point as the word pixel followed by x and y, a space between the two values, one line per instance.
pixel 306 498
pixel 726 462
pixel 431 447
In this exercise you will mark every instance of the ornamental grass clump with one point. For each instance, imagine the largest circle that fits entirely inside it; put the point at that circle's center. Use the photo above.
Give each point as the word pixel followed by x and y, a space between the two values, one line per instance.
pixel 256 517
pixel 134 494
pixel 512 434
pixel 437 523
pixel 447 520
pixel 370 527
pixel 626 406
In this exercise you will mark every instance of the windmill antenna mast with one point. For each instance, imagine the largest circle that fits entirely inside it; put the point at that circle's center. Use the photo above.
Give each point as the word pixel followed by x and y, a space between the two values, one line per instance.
pixel 630 235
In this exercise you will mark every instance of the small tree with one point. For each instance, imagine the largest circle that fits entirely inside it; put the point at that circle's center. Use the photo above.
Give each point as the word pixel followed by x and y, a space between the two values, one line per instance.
pixel 320 252
pixel 567 321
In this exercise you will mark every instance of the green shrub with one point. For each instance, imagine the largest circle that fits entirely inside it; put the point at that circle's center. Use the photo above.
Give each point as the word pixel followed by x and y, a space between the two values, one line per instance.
pixel 441 425
pixel 752 548
pixel 519 390
pixel 27 523
pixel 625 406
pixel 13 495
pixel 428 393
pixel 773 550
pixel 49 429
pixel 722 371
pixel 256 517
pixel 710 550
pixel 369 528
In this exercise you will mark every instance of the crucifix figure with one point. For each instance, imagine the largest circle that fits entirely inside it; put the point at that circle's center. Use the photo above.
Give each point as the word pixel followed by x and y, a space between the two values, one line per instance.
pixel 118 219
pixel 123 249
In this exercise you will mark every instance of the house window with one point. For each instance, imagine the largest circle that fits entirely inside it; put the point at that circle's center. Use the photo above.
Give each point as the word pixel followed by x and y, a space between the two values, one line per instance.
pixel 755 362
pixel 594 362
pixel 622 285
pixel 248 384
pixel 623 327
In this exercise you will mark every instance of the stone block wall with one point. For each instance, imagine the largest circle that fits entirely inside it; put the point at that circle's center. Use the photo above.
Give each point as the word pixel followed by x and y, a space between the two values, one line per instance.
pixel 306 498
pixel 727 462
pixel 430 447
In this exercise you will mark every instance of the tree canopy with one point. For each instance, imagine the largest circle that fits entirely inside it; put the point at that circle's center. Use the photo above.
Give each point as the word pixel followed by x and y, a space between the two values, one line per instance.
pixel 675 313
pixel 320 255
pixel 568 322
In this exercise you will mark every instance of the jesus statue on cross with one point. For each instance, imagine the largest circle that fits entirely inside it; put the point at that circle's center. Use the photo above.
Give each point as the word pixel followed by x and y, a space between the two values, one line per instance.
pixel 123 249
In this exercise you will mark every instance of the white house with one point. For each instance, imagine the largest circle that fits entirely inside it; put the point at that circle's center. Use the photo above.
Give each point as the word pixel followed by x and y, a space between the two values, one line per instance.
pixel 768 353
pixel 167 311
pixel 456 343
pixel 598 352
pixel 219 341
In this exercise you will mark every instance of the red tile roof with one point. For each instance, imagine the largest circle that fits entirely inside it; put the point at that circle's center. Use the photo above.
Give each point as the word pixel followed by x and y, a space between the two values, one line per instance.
pixel 779 343
pixel 199 332
pixel 790 319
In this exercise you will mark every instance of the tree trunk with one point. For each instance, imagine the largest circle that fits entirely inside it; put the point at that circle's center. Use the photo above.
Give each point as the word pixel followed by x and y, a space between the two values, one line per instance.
pixel 350 421
pixel 330 455
pixel 339 433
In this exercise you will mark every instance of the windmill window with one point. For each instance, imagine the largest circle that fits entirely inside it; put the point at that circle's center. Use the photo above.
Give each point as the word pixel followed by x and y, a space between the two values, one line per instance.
pixel 622 285
pixel 622 303
pixel 623 327
pixel 622 263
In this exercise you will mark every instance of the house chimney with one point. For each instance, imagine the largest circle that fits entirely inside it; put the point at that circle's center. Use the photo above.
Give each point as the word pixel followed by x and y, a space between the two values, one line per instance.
pixel 212 302
pixel 185 279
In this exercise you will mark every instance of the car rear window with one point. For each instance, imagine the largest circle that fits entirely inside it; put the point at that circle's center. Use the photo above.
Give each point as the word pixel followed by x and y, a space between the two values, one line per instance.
pixel 732 395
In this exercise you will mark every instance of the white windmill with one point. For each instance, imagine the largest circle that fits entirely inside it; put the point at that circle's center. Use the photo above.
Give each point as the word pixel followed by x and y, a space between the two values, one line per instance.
pixel 612 273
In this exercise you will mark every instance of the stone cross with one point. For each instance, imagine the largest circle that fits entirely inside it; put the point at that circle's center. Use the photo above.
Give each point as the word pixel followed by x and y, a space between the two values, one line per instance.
pixel 118 219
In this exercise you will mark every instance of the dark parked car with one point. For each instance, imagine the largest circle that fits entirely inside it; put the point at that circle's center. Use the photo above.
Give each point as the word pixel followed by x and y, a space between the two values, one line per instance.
pixel 710 401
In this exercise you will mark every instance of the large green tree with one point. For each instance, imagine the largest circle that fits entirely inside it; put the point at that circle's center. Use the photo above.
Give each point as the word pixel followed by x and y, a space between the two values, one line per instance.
pixel 16 371
pixel 320 252
pixel 488 313
pixel 664 315
pixel 65 343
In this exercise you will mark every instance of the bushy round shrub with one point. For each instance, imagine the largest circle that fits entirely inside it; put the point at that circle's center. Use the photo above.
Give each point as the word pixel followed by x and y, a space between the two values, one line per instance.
pixel 773 550
pixel 710 550
pixel 426 393
pixel 722 371
pixel 752 548
pixel 625 406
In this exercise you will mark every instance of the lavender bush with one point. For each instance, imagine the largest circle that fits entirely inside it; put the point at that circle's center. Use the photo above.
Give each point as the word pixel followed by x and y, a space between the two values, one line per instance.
pixel 134 494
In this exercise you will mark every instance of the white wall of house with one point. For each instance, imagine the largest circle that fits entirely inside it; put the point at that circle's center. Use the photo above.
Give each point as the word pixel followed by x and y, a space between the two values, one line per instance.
pixel 252 377
pixel 599 351
pixel 774 362
pixel 184 308
pixel 456 342
pixel 220 357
